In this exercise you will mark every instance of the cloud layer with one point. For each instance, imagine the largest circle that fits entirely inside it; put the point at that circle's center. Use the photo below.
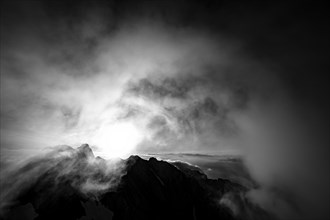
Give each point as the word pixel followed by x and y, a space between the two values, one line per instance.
pixel 212 84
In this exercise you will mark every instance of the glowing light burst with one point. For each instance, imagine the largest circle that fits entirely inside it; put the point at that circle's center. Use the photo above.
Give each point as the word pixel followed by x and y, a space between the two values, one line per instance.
pixel 117 140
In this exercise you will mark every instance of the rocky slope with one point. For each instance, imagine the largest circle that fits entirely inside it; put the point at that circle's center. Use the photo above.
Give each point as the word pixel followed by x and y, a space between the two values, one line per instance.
pixel 73 184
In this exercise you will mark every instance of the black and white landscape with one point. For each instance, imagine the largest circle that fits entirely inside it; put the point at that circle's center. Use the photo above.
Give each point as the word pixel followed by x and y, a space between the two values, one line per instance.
pixel 202 109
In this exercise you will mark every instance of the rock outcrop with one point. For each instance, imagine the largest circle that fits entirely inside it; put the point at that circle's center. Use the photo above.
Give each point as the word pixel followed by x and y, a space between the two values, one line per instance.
pixel 80 186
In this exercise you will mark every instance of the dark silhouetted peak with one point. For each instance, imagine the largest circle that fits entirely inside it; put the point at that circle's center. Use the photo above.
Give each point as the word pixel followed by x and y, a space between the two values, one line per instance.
pixel 152 159
pixel 71 188
pixel 133 158
pixel 84 151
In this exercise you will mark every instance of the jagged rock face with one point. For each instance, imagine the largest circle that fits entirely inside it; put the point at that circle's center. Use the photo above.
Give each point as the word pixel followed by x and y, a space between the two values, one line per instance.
pixel 158 190
pixel 145 189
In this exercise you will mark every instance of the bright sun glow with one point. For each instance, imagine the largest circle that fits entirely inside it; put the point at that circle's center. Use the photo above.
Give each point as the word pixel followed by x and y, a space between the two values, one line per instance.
pixel 117 140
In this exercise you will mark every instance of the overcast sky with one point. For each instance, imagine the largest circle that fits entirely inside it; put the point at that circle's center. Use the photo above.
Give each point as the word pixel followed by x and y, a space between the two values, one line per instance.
pixel 177 76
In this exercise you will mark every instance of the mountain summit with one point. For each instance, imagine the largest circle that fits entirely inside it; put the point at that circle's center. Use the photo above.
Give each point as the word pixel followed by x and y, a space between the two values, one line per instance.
pixel 70 187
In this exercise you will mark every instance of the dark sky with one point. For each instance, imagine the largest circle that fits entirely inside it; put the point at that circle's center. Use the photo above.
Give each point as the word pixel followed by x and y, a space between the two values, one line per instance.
pixel 214 77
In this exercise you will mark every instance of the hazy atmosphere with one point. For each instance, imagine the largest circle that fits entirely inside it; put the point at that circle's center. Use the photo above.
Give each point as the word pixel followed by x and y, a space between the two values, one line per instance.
pixel 170 77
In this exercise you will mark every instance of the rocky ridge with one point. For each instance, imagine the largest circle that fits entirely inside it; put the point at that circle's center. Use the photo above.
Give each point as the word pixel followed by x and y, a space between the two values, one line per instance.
pixel 77 185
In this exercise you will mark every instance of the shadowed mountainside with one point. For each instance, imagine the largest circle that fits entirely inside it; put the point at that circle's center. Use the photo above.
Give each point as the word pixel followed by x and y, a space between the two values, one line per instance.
pixel 73 184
